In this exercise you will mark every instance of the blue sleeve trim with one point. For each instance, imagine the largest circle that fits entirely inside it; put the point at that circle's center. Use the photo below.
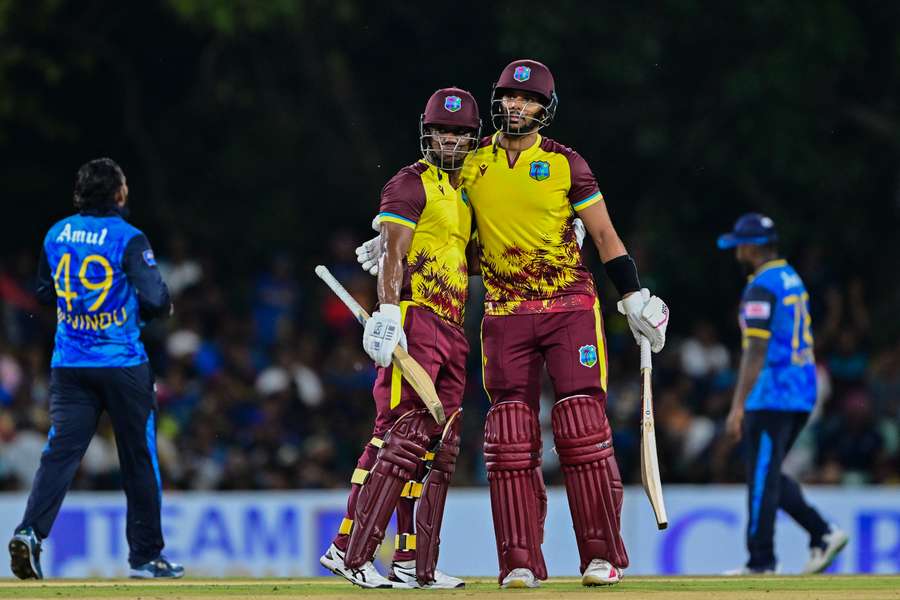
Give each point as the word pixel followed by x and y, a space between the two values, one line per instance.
pixel 396 216
pixel 588 199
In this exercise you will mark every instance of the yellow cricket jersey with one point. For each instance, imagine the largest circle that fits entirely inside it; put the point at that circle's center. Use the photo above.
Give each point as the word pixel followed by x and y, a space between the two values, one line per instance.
pixel 524 209
pixel 420 197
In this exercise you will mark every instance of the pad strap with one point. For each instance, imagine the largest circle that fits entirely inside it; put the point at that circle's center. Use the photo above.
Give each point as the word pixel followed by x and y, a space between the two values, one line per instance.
pixel 404 542
pixel 346 526
pixel 412 489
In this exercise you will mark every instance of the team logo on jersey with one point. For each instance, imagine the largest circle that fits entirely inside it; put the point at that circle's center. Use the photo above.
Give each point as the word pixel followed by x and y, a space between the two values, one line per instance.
pixel 149 258
pixel 453 103
pixel 441 188
pixel 522 73
pixel 482 167
pixel 587 355
pixel 540 170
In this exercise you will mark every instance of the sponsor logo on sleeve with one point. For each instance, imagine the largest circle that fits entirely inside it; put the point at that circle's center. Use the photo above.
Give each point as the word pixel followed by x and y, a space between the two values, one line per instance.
pixel 149 258
pixel 756 309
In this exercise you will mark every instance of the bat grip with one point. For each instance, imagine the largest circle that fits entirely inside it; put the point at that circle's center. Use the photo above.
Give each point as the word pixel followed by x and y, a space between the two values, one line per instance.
pixel 646 355
pixel 358 311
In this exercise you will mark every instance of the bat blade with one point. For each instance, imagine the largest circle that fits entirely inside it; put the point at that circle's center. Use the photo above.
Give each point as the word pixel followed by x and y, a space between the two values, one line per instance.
pixel 649 461
pixel 420 381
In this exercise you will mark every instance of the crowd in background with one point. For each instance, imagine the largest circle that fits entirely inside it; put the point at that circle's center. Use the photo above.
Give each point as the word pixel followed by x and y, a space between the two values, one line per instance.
pixel 273 391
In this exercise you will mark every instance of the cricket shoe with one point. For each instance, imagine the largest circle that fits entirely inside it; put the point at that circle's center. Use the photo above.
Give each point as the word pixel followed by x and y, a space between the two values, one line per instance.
pixel 366 576
pixel 25 554
pixel 520 578
pixel 820 558
pixel 403 576
pixel 601 572
pixel 159 568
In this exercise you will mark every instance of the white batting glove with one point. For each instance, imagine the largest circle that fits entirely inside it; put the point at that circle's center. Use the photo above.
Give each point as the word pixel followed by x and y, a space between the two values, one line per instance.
pixel 383 333
pixel 648 316
pixel 369 252
pixel 580 231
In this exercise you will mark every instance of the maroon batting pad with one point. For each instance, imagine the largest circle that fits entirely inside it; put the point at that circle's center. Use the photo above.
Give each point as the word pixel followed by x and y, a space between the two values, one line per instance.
pixel 403 450
pixel 430 511
pixel 593 485
pixel 512 452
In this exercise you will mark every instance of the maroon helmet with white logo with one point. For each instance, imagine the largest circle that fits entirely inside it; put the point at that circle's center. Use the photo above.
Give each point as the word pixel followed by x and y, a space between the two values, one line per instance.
pixel 524 76
pixel 452 110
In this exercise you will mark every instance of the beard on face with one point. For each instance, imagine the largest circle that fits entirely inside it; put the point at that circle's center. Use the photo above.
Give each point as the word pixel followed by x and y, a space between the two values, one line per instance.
pixel 747 267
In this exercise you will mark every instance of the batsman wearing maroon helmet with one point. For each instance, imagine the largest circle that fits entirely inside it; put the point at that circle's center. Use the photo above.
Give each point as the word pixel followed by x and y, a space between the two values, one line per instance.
pixel 426 224
pixel 541 310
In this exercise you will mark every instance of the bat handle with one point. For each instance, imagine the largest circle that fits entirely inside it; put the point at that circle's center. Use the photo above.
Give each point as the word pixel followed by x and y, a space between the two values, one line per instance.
pixel 358 311
pixel 646 354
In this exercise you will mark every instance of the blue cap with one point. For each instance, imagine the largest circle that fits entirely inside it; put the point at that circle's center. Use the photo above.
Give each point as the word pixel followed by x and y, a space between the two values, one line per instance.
pixel 752 228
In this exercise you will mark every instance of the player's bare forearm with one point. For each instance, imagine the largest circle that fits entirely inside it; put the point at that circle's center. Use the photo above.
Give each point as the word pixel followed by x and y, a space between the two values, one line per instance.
pixel 599 226
pixel 753 359
pixel 395 242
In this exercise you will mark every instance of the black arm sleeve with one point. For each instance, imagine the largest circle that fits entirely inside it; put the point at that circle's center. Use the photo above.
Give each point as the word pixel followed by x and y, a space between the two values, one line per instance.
pixel 622 271
pixel 139 265
pixel 45 289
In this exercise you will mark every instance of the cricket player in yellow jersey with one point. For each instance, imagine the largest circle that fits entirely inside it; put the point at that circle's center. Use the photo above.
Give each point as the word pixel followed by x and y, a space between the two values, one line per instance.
pixel 541 309
pixel 426 224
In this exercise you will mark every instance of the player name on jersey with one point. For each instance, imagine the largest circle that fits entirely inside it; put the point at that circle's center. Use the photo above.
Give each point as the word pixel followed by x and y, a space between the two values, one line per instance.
pixel 80 236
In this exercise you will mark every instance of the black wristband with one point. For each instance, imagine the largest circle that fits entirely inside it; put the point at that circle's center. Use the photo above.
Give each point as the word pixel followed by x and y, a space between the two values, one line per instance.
pixel 623 273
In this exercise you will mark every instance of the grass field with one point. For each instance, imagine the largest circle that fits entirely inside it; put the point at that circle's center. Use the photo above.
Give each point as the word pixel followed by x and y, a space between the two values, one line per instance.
pixel 680 588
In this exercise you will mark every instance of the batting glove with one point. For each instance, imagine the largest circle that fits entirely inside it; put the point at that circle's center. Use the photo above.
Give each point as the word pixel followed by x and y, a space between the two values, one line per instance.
pixel 369 252
pixel 383 333
pixel 648 316
pixel 580 231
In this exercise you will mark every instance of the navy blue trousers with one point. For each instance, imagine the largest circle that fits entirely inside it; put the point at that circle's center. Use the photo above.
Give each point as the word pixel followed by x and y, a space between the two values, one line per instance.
pixel 769 435
pixel 78 396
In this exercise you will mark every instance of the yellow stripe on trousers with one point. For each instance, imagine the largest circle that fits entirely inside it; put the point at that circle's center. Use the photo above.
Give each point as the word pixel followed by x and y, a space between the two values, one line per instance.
pixel 484 362
pixel 601 346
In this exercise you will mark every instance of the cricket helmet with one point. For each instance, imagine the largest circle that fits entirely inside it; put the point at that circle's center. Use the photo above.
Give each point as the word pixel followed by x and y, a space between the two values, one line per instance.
pixel 450 108
pixel 524 75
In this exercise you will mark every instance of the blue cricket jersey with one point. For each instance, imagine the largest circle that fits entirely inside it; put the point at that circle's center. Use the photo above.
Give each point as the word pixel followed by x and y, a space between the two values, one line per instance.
pixel 775 306
pixel 102 275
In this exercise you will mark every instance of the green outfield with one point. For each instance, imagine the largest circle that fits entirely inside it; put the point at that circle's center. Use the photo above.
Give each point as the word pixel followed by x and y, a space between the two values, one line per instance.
pixel 682 588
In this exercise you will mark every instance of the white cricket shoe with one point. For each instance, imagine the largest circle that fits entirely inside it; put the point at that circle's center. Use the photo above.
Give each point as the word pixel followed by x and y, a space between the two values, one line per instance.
pixel 403 576
pixel 520 578
pixel 820 558
pixel 367 576
pixel 601 572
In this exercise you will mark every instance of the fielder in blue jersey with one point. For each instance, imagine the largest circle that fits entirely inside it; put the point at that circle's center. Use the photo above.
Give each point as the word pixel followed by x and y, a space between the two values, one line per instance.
pixel 101 274
pixel 774 395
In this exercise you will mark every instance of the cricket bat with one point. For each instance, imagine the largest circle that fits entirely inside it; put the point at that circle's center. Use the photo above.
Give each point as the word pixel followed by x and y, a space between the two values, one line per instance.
pixel 649 461
pixel 411 370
